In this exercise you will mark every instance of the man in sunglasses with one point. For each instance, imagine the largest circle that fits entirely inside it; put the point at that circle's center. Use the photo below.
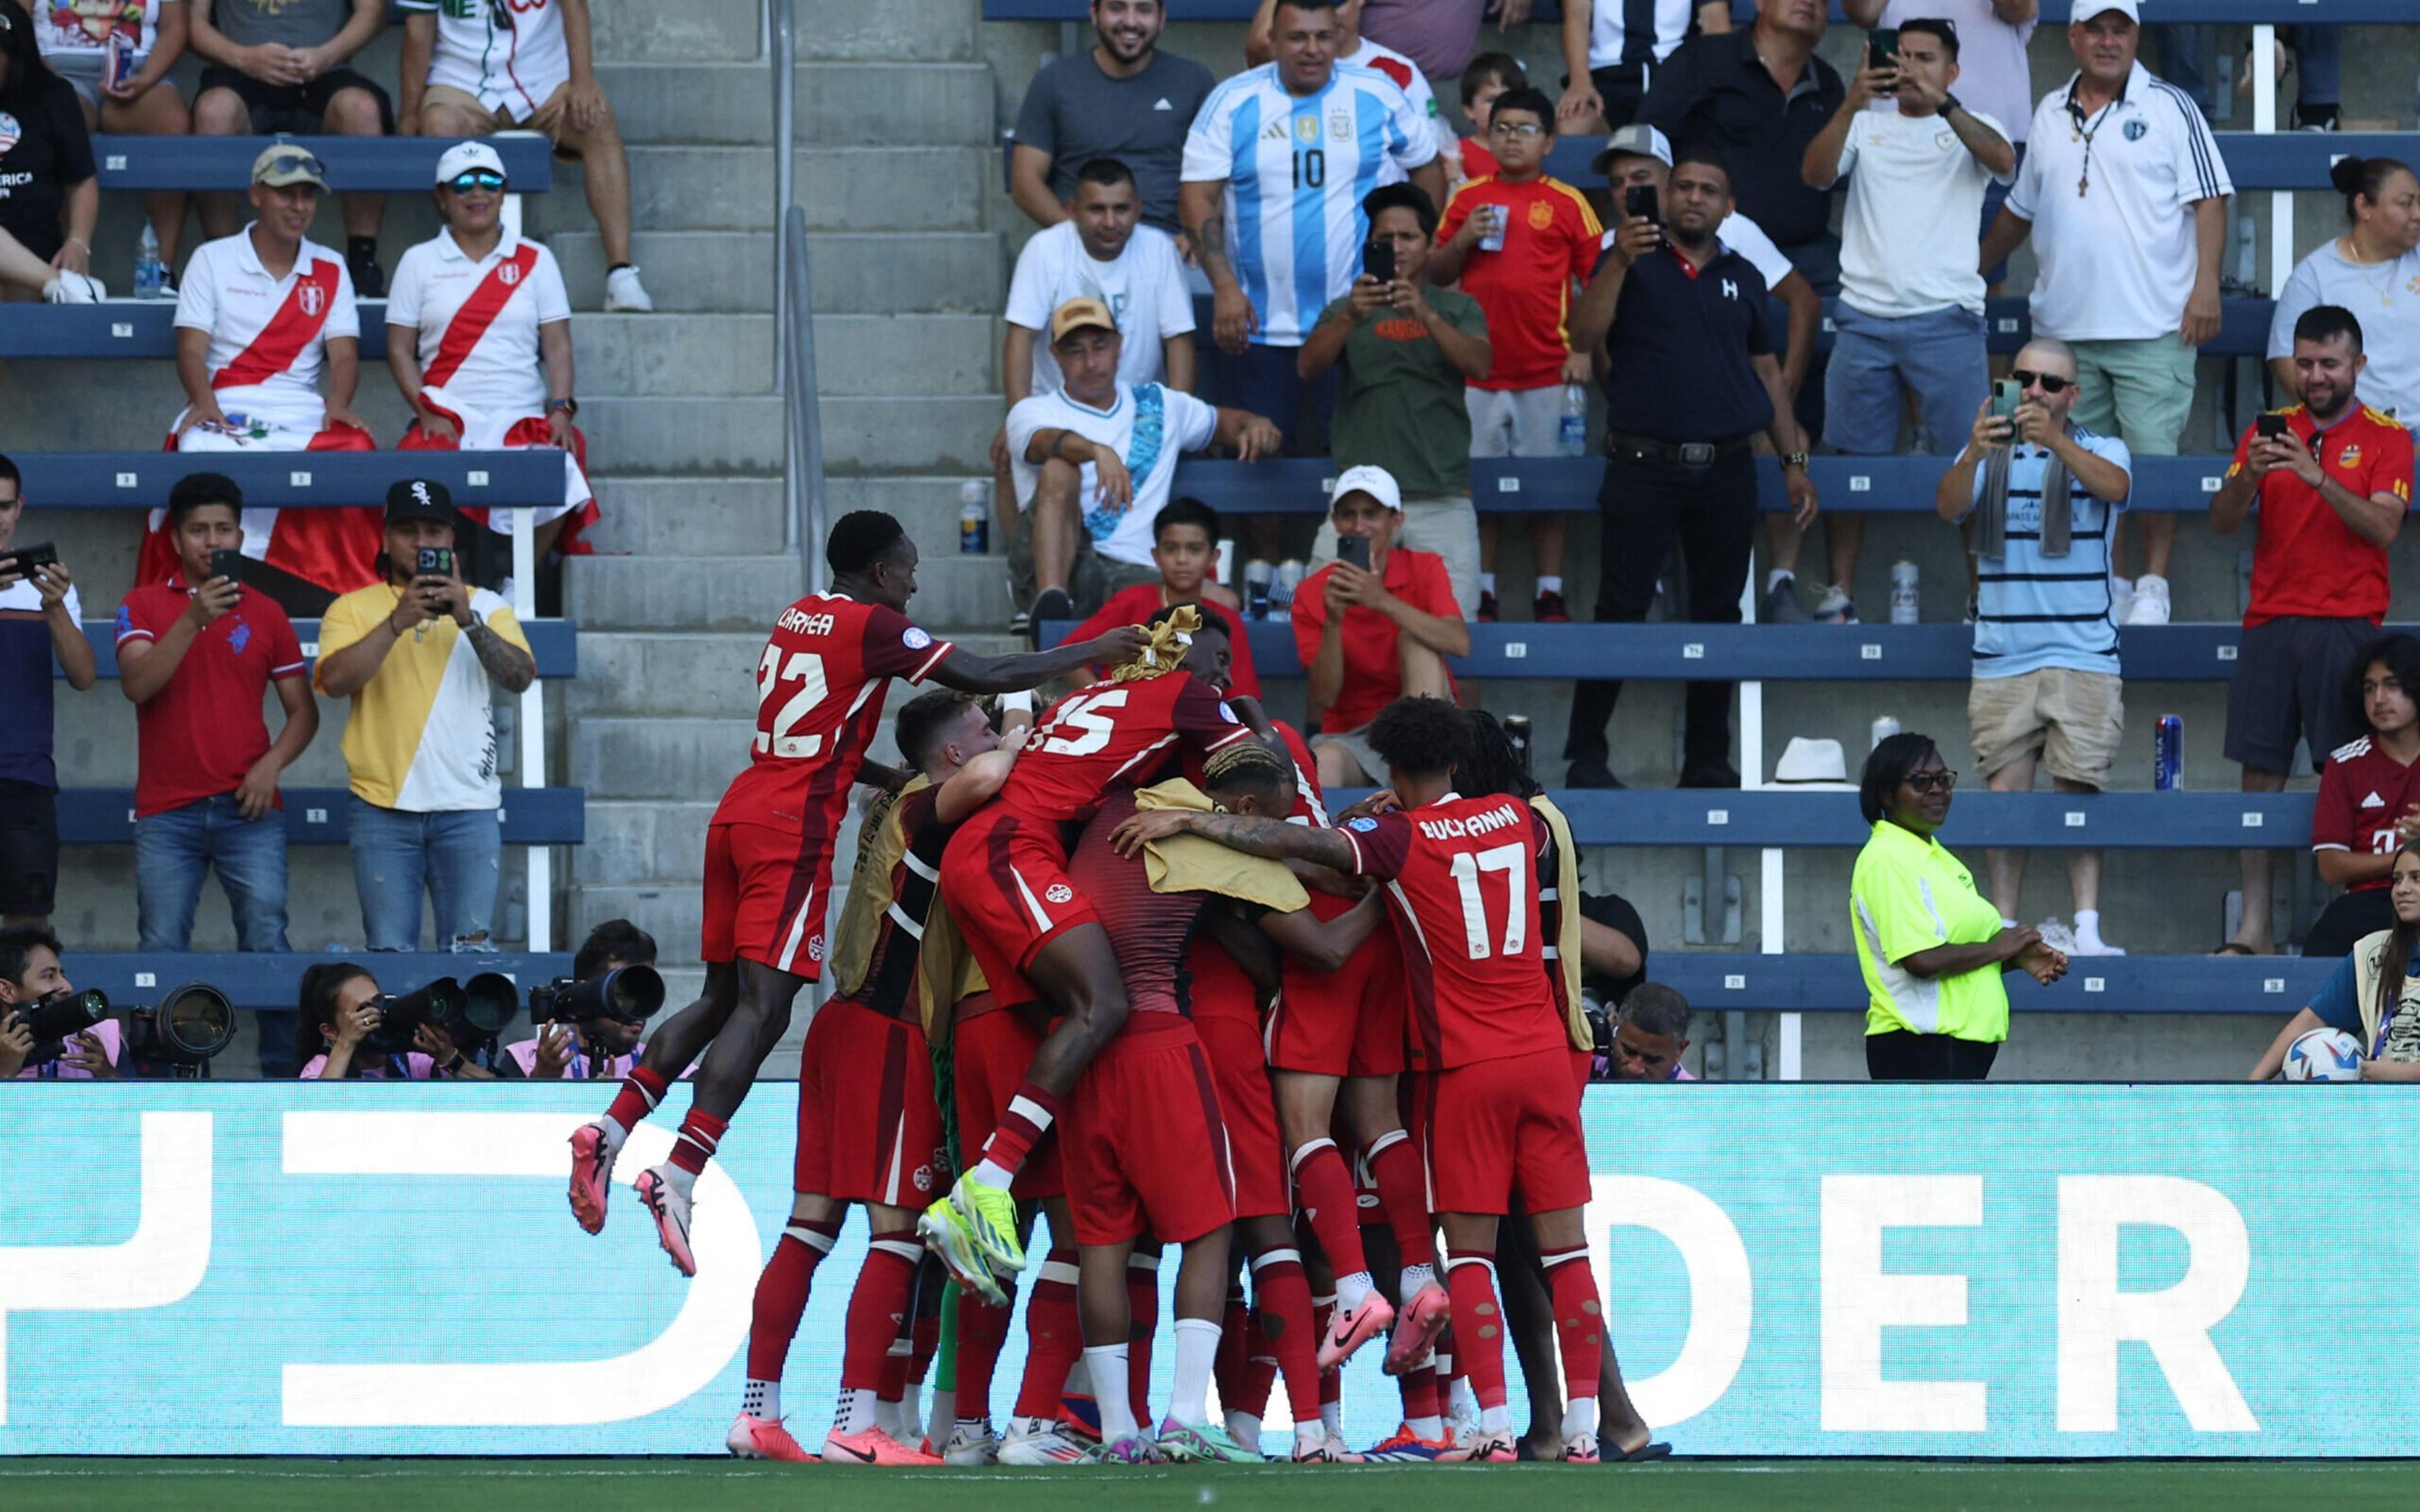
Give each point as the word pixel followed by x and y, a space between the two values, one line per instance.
pixel 479 339
pixel 2044 493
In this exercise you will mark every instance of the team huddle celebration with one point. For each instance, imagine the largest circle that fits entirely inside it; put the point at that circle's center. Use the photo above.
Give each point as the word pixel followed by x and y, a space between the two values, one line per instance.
pixel 1112 968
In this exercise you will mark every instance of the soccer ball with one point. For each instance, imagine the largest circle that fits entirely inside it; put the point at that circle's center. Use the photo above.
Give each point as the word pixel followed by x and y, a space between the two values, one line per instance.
pixel 2323 1055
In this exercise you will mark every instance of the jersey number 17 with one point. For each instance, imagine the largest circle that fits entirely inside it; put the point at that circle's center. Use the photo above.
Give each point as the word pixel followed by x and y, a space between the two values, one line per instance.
pixel 1477 940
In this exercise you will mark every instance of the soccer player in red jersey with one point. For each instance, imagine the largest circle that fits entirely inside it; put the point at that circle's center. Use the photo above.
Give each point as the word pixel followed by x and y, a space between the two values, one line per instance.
pixel 769 851
pixel 1501 1115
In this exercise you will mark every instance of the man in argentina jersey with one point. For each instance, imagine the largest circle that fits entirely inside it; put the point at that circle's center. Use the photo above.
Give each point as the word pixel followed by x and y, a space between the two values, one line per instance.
pixel 1275 171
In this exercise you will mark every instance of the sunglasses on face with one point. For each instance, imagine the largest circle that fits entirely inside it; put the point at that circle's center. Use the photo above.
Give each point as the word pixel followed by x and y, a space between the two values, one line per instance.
pixel 1931 781
pixel 2048 382
pixel 462 183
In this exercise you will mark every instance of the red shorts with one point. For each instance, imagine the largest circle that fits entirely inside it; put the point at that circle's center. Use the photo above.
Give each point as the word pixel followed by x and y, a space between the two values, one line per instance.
pixel 1145 1144
pixel 1255 1147
pixel 1583 1068
pixel 869 1130
pixel 765 897
pixel 1348 1022
pixel 1006 879
pixel 991 1049
pixel 1500 1128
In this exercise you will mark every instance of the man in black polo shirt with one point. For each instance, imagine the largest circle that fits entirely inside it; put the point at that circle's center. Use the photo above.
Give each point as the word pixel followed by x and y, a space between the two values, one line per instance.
pixel 1691 377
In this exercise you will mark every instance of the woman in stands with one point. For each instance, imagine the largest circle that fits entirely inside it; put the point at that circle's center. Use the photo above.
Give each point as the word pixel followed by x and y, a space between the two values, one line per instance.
pixel 49 194
pixel 339 1013
pixel 1932 949
pixel 116 54
pixel 2373 270
pixel 2373 994
pixel 2368 804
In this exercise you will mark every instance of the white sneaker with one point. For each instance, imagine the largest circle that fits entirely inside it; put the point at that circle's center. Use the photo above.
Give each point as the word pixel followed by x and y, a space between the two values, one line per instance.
pixel 2121 598
pixel 1836 606
pixel 971 1443
pixel 72 287
pixel 2091 945
pixel 1036 1440
pixel 625 295
pixel 2150 606
pixel 2056 934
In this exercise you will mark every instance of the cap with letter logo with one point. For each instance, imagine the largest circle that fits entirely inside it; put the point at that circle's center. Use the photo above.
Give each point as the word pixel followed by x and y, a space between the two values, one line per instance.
pixel 419 499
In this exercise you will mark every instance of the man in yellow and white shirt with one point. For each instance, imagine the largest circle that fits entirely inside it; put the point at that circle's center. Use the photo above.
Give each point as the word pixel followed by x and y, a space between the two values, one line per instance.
pixel 420 656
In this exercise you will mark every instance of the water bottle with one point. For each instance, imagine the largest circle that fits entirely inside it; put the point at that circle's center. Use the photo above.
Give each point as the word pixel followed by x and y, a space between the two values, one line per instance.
pixel 2168 754
pixel 1284 583
pixel 1904 600
pixel 1571 436
pixel 1884 728
pixel 974 518
pixel 151 273
pixel 1256 589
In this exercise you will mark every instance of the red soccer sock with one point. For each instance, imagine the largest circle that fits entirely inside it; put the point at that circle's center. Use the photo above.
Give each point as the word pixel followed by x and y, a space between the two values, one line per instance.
pixel 1142 1307
pixel 927 1341
pixel 1580 1319
pixel 983 1333
pixel 1403 1185
pixel 875 1309
pixel 781 1296
pixel 1054 1338
pixel 1324 1191
pixel 1234 1346
pixel 1282 1321
pixel 1421 1396
pixel 700 1133
pixel 895 1376
pixel 1029 1117
pixel 641 1091
pixel 1478 1323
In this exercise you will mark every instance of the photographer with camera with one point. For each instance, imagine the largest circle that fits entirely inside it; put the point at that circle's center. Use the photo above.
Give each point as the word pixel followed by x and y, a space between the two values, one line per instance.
pixel 590 1025
pixel 420 654
pixel 38 616
pixel 356 1031
pixel 39 1036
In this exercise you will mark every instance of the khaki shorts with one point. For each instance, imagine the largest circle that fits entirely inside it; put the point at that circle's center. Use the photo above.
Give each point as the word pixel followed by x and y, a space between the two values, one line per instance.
pixel 1446 524
pixel 1094 579
pixel 1355 743
pixel 2141 391
pixel 2071 719
pixel 548 120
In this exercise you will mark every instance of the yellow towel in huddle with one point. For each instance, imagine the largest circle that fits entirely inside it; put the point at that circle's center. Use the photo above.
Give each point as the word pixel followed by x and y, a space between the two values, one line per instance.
pixel 1191 863
pixel 1567 937
pixel 1170 640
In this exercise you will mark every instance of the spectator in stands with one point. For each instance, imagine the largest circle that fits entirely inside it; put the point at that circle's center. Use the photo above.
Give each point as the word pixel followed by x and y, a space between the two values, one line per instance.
pixel 2332 478
pixel 478 70
pixel 1650 1036
pixel 2369 805
pixel 39 617
pixel 49 194
pixel 340 1009
pixel 1185 548
pixel 1910 314
pixel 422 656
pixel 1369 637
pixel 1405 352
pixel 1437 37
pixel 479 340
pixel 2373 268
pixel 1544 242
pixel 1483 83
pixel 2315 55
pixel 2374 992
pixel 600 1047
pixel 1932 949
pixel 1691 379
pixel 1124 99
pixel 1096 457
pixel 126 95
pixel 1613 948
pixel 2125 196
pixel 261 316
pixel 1360 50
pixel 279 67
pixel 1612 51
pixel 195 655
pixel 30 971
pixel 2045 495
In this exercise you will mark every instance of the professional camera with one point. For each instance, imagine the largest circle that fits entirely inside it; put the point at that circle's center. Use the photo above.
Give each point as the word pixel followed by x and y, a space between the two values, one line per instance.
pixel 469 1013
pixel 58 1018
pixel 627 994
pixel 177 1039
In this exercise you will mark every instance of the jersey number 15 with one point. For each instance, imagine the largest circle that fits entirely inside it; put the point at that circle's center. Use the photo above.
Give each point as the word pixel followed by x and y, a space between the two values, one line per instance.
pixel 805 669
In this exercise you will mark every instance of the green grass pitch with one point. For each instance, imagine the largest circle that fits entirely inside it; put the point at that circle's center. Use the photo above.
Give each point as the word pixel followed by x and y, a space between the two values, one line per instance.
pixel 669 1484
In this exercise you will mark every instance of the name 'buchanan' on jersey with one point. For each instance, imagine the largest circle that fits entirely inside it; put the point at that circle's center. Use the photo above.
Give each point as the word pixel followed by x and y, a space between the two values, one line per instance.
pixel 820 682
pixel 1114 735
pixel 890 897
pixel 1462 876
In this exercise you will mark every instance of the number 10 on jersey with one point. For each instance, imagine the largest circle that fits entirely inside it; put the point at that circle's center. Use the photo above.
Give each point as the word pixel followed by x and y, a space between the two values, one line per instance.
pixel 1309 168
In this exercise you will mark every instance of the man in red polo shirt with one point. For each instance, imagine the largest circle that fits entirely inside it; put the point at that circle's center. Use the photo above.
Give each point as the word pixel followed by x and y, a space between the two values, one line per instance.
pixel 1367 638
pixel 2332 488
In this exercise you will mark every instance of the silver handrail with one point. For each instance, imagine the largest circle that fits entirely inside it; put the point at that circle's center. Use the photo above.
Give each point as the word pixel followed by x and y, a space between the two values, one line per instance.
pixel 803 448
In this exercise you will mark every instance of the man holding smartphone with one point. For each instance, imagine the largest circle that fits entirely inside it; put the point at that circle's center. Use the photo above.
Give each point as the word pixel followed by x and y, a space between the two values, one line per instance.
pixel 39 617
pixel 420 654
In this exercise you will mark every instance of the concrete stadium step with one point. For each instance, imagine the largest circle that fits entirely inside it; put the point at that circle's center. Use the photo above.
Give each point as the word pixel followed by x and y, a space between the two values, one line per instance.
pixel 948 434
pixel 927 506
pixel 691 673
pixel 895 31
pixel 686 516
pixel 93 736
pixel 920 355
pixel 688 188
pixel 661 435
pixel 695 31
pixel 96 907
pixel 839 104
pixel 956 594
pixel 693 593
pixel 689 758
pixel 854 275
pixel 695 356
pixel 669 911
pixel 644 842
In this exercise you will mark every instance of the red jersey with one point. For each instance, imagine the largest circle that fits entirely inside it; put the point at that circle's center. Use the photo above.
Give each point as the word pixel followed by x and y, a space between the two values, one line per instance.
pixel 1462 876
pixel 1113 736
pixel 2363 792
pixel 198 737
pixel 1374 673
pixel 1476 159
pixel 1134 605
pixel 1151 932
pixel 1550 238
pixel 2307 561
pixel 819 688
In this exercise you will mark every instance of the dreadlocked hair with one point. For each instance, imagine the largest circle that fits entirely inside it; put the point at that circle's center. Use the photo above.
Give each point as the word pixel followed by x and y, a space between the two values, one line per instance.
pixel 1249 765
pixel 1493 766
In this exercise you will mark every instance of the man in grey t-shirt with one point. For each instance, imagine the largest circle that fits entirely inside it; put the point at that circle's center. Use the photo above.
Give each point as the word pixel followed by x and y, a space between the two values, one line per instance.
pixel 1124 99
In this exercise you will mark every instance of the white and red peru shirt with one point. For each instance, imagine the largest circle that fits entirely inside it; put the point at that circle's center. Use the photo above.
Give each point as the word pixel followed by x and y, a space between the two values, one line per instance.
pixel 2363 792
pixel 476 322
pixel 269 336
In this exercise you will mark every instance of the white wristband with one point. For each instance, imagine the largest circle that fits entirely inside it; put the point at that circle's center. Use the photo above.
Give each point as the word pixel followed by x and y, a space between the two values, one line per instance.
pixel 1021 701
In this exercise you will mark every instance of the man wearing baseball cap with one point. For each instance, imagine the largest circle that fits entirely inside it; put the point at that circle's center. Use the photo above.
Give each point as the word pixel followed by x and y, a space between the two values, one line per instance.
pixel 1369 634
pixel 421 654
pixel 478 69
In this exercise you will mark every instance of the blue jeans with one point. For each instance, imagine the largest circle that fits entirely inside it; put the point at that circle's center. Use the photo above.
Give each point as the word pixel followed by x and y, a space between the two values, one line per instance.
pixel 174 850
pixel 1938 357
pixel 456 856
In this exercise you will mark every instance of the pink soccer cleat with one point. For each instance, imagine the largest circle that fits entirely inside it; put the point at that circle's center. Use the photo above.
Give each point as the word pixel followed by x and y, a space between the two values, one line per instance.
pixel 1349 1331
pixel 872 1447
pixel 764 1438
pixel 1417 1328
pixel 669 1205
pixel 1493 1449
pixel 592 1173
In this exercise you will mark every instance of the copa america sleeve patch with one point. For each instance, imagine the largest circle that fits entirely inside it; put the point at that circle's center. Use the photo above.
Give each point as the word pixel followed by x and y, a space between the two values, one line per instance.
pixel 915 639
pixel 1365 823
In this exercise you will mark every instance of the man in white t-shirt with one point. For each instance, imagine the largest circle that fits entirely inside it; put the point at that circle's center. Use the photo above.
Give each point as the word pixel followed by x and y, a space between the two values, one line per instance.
pixel 474 68
pixel 1098 458
pixel 479 338
pixel 1910 311
pixel 2125 195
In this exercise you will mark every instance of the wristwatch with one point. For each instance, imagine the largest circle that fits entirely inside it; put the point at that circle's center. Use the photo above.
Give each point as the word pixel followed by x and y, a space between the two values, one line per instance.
pixel 1794 459
pixel 570 407
pixel 454 1067
pixel 1949 104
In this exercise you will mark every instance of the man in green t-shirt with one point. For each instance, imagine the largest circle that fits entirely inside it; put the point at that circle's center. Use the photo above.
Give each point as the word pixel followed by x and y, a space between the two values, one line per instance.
pixel 1406 352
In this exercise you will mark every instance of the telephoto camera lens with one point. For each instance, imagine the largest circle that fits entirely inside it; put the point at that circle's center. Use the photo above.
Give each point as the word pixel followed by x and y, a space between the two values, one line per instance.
pixel 63 1014
pixel 631 995
pixel 178 1038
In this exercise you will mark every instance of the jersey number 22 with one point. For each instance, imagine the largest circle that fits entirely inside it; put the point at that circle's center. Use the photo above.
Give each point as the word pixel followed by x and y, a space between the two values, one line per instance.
pixel 805 669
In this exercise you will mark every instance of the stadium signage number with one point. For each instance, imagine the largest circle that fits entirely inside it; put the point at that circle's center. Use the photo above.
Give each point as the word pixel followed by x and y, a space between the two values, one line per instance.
pixel 1310 169
pixel 806 669
pixel 1466 868
pixel 1089 714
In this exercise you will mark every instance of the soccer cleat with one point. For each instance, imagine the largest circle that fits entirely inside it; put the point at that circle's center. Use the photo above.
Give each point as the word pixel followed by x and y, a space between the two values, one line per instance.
pixel 764 1438
pixel 990 1213
pixel 1488 1449
pixel 1342 1451
pixel 1348 1331
pixel 1548 607
pixel 1205 1443
pixel 1134 1449
pixel 1038 1441
pixel 1406 1448
pixel 971 1444
pixel 871 1447
pixel 1417 1328
pixel 1325 1451
pixel 592 1175
pixel 1079 1417
pixel 669 1206
pixel 1579 1449
pixel 952 1241
pixel 625 294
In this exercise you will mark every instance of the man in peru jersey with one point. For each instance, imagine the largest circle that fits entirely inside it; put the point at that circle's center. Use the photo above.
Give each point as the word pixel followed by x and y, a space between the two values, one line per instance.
pixel 768 852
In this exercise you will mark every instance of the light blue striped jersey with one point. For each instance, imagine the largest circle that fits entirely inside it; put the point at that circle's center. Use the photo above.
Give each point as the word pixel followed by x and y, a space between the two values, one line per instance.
pixel 2034 611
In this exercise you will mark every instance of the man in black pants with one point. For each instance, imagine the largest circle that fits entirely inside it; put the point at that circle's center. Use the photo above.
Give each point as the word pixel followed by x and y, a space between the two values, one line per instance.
pixel 1691 377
